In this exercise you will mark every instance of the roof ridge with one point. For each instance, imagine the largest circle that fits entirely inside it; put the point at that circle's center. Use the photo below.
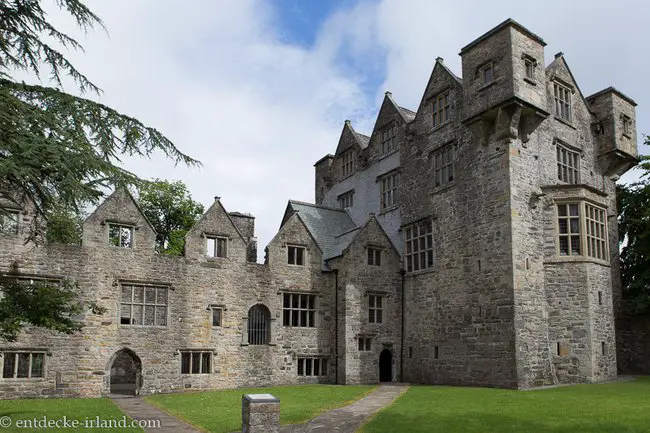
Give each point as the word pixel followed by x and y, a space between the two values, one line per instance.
pixel 304 203
pixel 348 232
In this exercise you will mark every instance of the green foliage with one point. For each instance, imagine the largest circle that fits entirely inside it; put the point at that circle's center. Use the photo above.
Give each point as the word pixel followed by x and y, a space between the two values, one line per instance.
pixel 170 209
pixel 47 304
pixel 634 232
pixel 63 226
pixel 220 411
pixel 57 147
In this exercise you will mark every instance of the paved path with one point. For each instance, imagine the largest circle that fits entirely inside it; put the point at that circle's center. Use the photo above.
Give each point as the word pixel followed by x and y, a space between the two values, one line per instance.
pixel 137 408
pixel 348 419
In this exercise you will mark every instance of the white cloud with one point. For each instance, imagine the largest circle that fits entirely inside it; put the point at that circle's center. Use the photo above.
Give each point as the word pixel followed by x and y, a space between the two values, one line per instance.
pixel 220 81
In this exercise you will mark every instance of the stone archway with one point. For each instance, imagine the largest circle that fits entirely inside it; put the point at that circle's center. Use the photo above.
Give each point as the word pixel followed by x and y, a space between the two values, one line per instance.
pixel 386 366
pixel 125 373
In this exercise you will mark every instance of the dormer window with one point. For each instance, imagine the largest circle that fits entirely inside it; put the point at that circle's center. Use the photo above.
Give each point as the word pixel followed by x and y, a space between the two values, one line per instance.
pixel 9 222
pixel 217 246
pixel 388 139
pixel 347 167
pixel 487 73
pixel 562 96
pixel 441 109
pixel 120 235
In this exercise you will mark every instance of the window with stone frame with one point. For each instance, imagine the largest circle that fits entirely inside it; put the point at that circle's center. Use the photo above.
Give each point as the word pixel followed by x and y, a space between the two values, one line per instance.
pixel 568 164
pixel 388 187
pixel 196 361
pixel 530 64
pixel 23 364
pixel 347 163
pixel 582 230
pixel 596 232
pixel 374 256
pixel 217 316
pixel 419 246
pixel 259 325
pixel 441 109
pixel 144 305
pixel 217 246
pixel 375 308
pixel 299 310
pixel 627 125
pixel 120 235
pixel 346 199
pixel 443 165
pixel 562 96
pixel 388 139
pixel 364 344
pixel 487 73
pixel 295 255
pixel 9 221
pixel 311 366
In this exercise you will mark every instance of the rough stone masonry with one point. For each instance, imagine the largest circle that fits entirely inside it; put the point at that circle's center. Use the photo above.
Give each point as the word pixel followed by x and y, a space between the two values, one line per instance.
pixel 470 242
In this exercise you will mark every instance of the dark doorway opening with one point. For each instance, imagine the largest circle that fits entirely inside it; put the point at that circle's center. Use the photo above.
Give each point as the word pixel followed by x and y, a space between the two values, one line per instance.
pixel 126 373
pixel 385 366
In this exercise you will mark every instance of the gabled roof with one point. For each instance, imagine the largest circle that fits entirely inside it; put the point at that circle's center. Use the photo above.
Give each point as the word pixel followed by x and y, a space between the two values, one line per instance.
pixel 439 66
pixel 325 224
pixel 559 59
pixel 129 195
pixel 407 114
pixel 217 204
pixel 363 140
pixel 349 137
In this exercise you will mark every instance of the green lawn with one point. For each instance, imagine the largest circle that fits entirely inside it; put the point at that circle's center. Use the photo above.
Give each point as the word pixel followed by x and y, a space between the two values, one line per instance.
pixel 84 410
pixel 220 411
pixel 614 407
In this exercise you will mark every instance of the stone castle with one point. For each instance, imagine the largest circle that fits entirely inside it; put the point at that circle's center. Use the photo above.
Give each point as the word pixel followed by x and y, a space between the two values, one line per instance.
pixel 471 242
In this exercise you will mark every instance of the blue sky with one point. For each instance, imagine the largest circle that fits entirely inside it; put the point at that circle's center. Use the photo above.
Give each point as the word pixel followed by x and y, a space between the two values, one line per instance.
pixel 258 90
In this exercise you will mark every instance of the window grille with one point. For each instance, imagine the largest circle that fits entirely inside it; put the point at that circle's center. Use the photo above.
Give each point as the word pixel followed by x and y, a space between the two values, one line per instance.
pixel 259 325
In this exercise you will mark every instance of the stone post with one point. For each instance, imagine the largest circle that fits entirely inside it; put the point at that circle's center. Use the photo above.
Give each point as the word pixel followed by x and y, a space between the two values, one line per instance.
pixel 260 413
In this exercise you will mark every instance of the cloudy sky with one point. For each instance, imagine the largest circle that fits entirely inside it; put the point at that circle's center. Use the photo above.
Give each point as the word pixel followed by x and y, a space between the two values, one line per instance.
pixel 258 89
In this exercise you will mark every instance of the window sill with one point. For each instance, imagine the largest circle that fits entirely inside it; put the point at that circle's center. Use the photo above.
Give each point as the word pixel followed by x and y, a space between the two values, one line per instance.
pixel 577 259
pixel 215 259
pixel 628 136
pixel 23 379
pixel 487 86
pixel 122 325
pixel 188 375
pixel 386 155
pixel 442 188
pixel 530 81
pixel 388 209
pixel 439 127
pixel 564 121
pixel 420 272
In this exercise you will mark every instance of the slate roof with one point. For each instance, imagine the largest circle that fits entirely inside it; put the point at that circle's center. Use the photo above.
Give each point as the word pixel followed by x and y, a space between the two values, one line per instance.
pixel 408 114
pixel 363 139
pixel 331 228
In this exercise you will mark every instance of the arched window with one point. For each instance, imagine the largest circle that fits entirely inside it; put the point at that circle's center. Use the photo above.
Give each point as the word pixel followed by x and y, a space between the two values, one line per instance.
pixel 259 325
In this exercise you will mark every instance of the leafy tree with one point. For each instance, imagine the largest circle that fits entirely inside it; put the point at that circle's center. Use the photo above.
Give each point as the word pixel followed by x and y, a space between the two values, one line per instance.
pixel 63 226
pixel 56 148
pixel 171 211
pixel 634 233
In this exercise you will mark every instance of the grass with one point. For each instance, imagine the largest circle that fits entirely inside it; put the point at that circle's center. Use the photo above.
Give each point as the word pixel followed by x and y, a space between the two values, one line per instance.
pixel 28 410
pixel 614 407
pixel 220 411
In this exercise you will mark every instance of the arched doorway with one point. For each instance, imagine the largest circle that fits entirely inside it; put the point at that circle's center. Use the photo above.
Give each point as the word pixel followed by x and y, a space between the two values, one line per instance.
pixel 385 366
pixel 125 373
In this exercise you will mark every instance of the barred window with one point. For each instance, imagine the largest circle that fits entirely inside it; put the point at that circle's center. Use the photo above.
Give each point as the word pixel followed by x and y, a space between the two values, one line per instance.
pixel 143 305
pixel 388 140
pixel 569 229
pixel 374 256
pixel 347 167
pixel 120 235
pixel 596 232
pixel 259 325
pixel 346 199
pixel 217 246
pixel 312 367
pixel 441 109
pixel 443 165
pixel 23 365
pixel 419 246
pixel 296 255
pixel 196 362
pixel 389 186
pixel 364 344
pixel 299 310
pixel 568 165
pixel 375 308
pixel 562 96
pixel 9 222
